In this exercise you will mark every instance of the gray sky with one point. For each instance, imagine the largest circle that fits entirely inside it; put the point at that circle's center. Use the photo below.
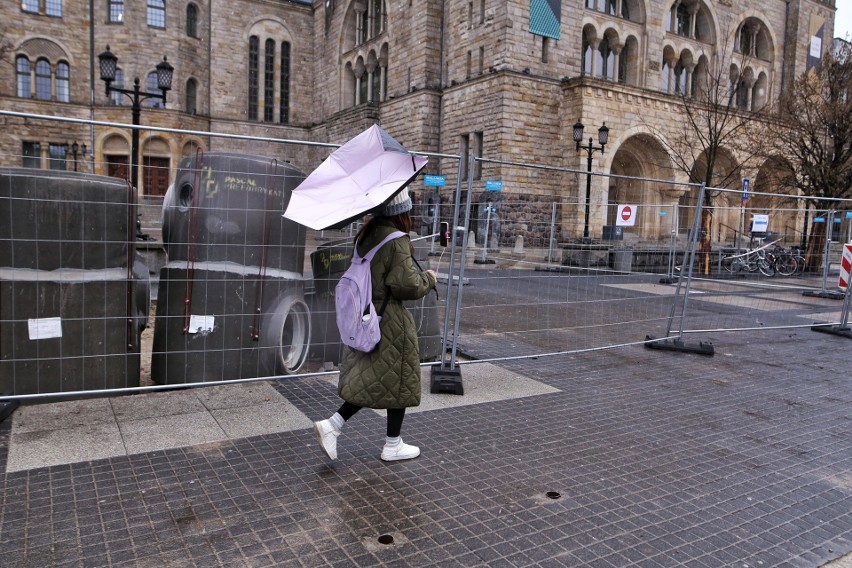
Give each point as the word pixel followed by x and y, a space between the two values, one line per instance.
pixel 843 19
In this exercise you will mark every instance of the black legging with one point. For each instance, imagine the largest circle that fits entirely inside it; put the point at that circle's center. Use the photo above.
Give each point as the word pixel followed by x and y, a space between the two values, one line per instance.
pixel 395 417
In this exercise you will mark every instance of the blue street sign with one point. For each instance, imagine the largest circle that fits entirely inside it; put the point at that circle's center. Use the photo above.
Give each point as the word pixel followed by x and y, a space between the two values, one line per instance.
pixel 434 181
pixel 493 185
pixel 746 184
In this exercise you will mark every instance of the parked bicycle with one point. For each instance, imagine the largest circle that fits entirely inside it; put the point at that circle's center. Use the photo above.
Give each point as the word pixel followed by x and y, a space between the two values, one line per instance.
pixel 784 261
pixel 752 260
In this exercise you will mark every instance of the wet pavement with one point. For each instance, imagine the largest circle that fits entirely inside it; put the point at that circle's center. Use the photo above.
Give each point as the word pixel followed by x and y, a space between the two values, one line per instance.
pixel 626 457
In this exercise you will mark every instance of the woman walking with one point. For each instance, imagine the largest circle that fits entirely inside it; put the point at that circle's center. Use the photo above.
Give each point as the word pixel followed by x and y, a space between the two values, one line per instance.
pixel 388 377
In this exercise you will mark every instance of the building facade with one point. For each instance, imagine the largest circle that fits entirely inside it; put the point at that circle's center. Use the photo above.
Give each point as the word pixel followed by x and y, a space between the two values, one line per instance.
pixel 502 79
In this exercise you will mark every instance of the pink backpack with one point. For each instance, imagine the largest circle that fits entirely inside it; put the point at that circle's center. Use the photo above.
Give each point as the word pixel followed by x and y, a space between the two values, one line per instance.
pixel 357 318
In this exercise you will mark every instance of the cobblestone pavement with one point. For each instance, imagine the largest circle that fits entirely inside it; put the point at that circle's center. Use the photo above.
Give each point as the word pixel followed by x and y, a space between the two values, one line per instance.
pixel 631 457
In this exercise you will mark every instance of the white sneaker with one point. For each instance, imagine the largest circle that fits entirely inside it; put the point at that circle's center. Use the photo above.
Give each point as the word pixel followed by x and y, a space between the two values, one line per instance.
pixel 401 451
pixel 327 435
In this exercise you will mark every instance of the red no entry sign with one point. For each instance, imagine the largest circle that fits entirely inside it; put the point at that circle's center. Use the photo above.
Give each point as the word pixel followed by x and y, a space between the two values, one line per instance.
pixel 626 215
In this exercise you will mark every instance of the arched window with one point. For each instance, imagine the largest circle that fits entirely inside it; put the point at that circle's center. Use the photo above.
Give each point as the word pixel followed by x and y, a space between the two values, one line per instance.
pixel 588 58
pixel 191 20
pixel 157 13
pixel 606 69
pixel 151 86
pixel 63 82
pixel 666 77
pixel 683 21
pixel 742 95
pixel 745 43
pixel 284 103
pixel 253 76
pixel 269 81
pixel 623 59
pixel 22 64
pixel 191 96
pixel 370 22
pixel 118 98
pixel 680 87
pixel 42 79
pixel 376 85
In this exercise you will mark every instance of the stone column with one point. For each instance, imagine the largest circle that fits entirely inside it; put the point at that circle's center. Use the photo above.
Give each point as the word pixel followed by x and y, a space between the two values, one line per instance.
pixel 693 11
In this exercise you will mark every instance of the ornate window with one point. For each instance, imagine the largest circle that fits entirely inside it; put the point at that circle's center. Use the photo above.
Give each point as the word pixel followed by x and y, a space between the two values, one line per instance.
pixel 157 13
pixel 269 101
pixel 116 11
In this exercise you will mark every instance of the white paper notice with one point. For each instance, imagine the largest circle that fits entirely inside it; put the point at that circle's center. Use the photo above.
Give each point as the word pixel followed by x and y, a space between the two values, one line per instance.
pixel 816 46
pixel 200 324
pixel 45 328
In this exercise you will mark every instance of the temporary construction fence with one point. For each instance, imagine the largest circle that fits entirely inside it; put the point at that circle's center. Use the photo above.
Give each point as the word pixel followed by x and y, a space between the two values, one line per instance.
pixel 108 291
pixel 536 264
pixel 753 284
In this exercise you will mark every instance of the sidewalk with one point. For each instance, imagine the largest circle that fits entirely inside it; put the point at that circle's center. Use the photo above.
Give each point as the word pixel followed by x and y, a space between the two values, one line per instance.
pixel 629 457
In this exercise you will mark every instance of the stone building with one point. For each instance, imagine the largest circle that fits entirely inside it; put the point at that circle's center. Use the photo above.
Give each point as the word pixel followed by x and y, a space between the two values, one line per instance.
pixel 502 79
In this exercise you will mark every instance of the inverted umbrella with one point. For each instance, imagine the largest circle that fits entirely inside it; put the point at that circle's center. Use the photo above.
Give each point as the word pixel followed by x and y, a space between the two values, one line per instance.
pixel 355 179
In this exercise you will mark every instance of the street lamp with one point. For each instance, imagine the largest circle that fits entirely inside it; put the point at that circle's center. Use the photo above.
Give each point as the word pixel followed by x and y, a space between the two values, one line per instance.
pixel 75 149
pixel 109 63
pixel 603 136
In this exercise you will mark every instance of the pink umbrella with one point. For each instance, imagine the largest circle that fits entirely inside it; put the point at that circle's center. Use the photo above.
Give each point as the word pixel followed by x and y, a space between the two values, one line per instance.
pixel 354 180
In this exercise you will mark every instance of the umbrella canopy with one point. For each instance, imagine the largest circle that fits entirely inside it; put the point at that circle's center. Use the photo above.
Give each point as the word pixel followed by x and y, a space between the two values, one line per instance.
pixel 355 179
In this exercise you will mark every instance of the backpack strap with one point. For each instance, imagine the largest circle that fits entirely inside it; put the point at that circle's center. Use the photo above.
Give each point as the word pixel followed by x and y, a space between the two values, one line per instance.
pixel 369 258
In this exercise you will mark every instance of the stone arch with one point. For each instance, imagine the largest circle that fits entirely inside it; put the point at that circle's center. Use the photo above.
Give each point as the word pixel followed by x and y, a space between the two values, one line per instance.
pixel 726 175
pixel 42 47
pixel 776 176
pixel 754 38
pixel 641 157
pixel 637 10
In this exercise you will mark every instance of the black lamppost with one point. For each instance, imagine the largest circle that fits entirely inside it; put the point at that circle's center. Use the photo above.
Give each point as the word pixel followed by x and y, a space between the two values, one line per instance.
pixel 603 136
pixel 75 149
pixel 108 64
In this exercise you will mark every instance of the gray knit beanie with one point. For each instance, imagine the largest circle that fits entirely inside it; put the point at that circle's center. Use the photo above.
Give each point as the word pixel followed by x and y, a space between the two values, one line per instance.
pixel 399 204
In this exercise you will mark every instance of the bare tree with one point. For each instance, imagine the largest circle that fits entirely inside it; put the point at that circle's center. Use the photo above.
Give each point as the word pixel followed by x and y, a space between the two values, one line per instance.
pixel 814 133
pixel 716 136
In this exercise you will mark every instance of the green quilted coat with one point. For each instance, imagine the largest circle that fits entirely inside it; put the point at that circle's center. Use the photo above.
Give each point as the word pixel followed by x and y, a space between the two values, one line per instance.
pixel 388 376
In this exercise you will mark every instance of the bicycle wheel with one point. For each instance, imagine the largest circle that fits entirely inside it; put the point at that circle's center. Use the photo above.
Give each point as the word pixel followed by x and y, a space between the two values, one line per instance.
pixel 786 265
pixel 765 267
pixel 730 264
